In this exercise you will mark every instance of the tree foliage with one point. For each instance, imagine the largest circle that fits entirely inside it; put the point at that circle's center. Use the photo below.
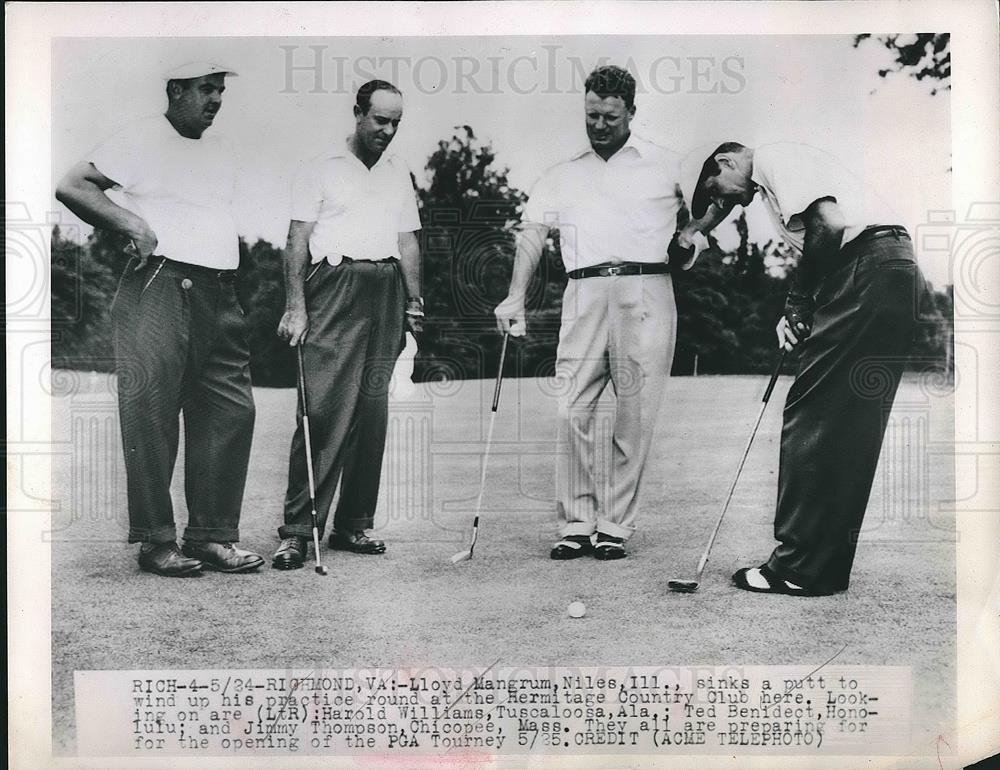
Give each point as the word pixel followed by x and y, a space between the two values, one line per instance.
pixel 468 211
pixel 261 290
pixel 84 280
pixel 924 56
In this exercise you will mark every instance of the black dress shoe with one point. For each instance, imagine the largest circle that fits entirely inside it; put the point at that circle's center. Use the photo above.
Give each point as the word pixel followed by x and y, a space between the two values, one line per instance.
pixel 166 560
pixel 774 583
pixel 571 547
pixel 222 557
pixel 355 542
pixel 291 554
pixel 609 548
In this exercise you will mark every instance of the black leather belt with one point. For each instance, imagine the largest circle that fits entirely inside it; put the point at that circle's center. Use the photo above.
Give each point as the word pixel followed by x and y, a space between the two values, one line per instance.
pixel 854 247
pixel 352 261
pixel 879 231
pixel 186 268
pixel 609 269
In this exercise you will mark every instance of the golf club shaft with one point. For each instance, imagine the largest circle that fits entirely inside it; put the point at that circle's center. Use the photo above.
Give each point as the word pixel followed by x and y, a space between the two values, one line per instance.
pixel 493 420
pixel 746 452
pixel 475 535
pixel 308 442
pixel 503 358
pixel 489 444
pixel 305 427
pixel 486 461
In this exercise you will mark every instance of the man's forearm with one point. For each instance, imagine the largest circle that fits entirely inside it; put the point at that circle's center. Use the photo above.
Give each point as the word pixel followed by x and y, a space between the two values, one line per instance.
pixel 824 223
pixel 529 245
pixel 296 267
pixel 712 217
pixel 89 202
pixel 409 262
pixel 819 249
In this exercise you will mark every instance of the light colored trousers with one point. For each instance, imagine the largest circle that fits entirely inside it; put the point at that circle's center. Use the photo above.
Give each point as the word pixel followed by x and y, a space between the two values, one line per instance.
pixel 622 330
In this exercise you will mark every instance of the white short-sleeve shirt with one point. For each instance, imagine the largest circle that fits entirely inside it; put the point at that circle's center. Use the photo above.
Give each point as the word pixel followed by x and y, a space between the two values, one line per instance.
pixel 620 210
pixel 183 189
pixel 790 177
pixel 359 212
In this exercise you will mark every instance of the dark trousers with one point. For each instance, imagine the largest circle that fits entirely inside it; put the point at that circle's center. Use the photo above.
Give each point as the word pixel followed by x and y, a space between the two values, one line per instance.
pixel 181 346
pixel 356 314
pixel 838 407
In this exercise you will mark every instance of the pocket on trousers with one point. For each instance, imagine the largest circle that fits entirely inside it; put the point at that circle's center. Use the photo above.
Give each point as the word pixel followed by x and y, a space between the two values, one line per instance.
pixel 147 282
pixel 313 269
pixel 128 274
pixel 894 263
pixel 237 303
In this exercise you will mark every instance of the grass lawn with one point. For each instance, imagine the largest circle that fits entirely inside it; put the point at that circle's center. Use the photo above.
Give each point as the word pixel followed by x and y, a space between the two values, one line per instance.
pixel 410 606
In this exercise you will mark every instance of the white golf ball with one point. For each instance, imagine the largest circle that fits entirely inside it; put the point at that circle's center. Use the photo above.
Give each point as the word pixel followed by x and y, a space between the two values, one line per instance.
pixel 576 610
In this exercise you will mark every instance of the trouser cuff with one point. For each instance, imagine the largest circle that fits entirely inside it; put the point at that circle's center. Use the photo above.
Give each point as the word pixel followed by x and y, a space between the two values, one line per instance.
pixel 155 536
pixel 615 530
pixel 585 528
pixel 355 524
pixel 212 534
pixel 297 530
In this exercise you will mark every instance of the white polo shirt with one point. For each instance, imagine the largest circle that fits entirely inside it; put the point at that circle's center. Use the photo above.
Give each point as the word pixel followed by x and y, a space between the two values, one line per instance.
pixel 359 212
pixel 182 187
pixel 620 210
pixel 791 176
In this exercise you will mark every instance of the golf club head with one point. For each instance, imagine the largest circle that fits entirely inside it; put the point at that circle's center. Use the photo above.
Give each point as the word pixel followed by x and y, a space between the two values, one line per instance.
pixel 682 586
pixel 321 570
pixel 467 553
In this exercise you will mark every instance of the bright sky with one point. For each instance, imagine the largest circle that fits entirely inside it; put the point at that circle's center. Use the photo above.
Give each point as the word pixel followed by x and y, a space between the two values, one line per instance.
pixel 524 94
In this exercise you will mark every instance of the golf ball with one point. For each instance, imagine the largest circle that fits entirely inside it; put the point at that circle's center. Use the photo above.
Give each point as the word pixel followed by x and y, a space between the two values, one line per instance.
pixel 577 610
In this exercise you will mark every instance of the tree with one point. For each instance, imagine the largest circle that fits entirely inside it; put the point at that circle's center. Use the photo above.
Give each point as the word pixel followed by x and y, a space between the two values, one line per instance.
pixel 727 305
pixel 261 291
pixel 83 285
pixel 468 212
pixel 921 56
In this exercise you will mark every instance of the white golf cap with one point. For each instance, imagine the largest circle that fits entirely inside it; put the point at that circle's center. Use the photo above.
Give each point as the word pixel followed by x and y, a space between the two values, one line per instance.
pixel 196 70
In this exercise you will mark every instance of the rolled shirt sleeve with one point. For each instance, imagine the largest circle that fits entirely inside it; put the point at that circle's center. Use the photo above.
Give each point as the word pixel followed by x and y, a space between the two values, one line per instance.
pixel 118 158
pixel 542 207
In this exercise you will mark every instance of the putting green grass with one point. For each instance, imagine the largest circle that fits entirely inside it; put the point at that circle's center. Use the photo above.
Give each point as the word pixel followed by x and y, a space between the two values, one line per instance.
pixel 411 606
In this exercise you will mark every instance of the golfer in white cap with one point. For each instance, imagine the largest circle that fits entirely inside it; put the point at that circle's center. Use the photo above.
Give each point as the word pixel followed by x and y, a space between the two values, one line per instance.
pixel 178 327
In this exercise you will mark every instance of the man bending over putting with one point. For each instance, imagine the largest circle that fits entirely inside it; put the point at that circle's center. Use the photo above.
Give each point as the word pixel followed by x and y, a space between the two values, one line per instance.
pixel 850 313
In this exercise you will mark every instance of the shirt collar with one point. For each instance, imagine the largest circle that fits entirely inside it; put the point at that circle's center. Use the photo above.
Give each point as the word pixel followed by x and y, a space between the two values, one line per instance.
pixel 634 141
pixel 343 150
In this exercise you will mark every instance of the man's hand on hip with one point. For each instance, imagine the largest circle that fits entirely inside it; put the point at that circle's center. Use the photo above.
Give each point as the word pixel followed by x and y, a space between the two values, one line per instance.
pixel 142 244
pixel 294 325
pixel 510 316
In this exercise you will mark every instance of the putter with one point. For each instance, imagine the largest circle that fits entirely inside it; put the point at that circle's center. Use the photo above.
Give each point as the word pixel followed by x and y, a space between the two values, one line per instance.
pixel 320 569
pixel 690 586
pixel 467 553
